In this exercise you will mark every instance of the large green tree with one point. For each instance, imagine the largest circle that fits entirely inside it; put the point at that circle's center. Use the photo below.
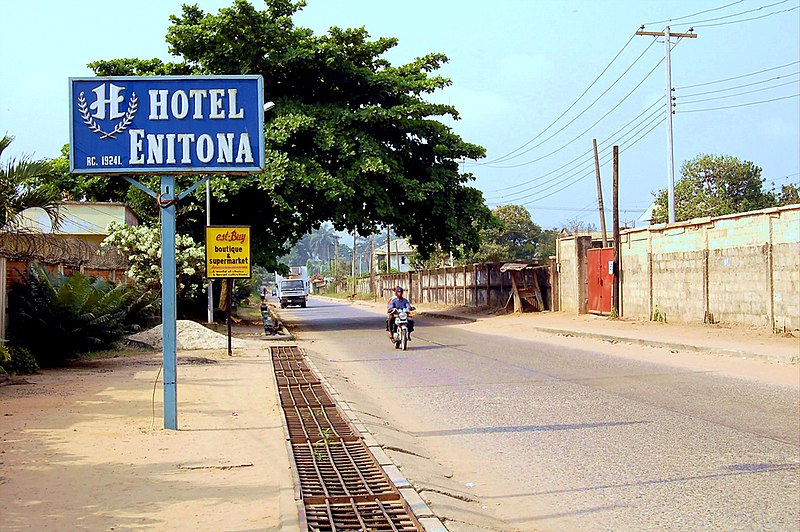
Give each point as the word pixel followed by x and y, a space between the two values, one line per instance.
pixel 715 185
pixel 353 139
pixel 518 232
pixel 20 188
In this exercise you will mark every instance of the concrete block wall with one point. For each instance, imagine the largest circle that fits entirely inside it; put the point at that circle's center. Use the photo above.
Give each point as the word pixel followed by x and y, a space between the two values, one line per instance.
pixel 742 268
pixel 786 284
pixel 678 285
pixel 738 285
pixel 568 275
pixel 636 270
pixel 785 268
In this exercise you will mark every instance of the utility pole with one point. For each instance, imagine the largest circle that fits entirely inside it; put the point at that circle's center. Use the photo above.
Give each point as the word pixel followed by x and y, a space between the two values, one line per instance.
pixel 336 255
pixel 670 151
pixel 615 299
pixel 388 250
pixel 354 262
pixel 372 265
pixel 600 194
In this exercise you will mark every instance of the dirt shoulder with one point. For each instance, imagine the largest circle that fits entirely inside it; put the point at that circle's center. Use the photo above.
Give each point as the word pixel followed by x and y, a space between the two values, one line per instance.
pixel 84 447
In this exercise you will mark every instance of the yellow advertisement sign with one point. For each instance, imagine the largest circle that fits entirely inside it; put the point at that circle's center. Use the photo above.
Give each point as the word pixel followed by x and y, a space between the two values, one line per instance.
pixel 228 252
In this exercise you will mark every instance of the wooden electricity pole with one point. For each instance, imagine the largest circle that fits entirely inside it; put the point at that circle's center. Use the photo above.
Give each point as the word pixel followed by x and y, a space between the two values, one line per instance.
pixel 354 262
pixel 388 250
pixel 615 302
pixel 372 265
pixel 336 256
pixel 600 194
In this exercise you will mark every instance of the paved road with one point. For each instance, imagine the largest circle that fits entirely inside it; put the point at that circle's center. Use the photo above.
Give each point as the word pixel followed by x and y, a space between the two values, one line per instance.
pixel 547 438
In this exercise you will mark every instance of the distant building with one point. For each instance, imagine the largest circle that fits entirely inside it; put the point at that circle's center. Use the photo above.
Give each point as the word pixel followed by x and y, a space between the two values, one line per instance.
pixel 84 220
pixel 399 256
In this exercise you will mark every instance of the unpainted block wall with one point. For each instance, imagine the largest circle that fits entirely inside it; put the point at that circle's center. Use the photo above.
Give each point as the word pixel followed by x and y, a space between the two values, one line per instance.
pixel 786 284
pixel 572 269
pixel 742 268
pixel 568 275
pixel 635 251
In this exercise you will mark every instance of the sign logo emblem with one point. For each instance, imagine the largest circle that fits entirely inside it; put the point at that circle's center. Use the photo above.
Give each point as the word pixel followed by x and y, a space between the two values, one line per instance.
pixel 108 97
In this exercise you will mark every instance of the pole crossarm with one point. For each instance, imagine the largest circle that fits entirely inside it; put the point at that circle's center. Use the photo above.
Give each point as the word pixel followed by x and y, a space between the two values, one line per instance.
pixel 661 34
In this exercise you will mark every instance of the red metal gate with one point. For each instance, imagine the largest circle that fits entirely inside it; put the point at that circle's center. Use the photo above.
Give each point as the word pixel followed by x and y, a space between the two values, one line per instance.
pixel 600 276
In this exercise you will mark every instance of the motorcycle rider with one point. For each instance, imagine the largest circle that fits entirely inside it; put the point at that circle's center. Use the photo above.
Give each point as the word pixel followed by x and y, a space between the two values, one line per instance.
pixel 398 302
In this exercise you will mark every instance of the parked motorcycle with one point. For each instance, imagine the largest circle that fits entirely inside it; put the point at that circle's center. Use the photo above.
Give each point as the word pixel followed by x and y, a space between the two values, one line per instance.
pixel 400 335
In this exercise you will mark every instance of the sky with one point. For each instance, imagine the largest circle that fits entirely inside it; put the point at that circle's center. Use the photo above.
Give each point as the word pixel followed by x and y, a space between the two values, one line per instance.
pixel 534 81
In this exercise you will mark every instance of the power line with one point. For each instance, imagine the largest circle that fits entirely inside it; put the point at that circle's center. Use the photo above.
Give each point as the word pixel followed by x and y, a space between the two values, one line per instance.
pixel 746 19
pixel 740 86
pixel 741 105
pixel 587 163
pixel 587 129
pixel 591 172
pixel 694 14
pixel 585 153
pixel 736 77
pixel 509 156
pixel 739 93
pixel 694 23
pixel 568 108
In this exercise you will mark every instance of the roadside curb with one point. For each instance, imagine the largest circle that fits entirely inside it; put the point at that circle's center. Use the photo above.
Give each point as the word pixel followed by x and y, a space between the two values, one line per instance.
pixel 284 333
pixel 645 342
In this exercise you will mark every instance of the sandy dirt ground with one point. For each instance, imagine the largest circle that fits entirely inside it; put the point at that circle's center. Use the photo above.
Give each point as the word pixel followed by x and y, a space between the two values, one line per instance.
pixel 84 447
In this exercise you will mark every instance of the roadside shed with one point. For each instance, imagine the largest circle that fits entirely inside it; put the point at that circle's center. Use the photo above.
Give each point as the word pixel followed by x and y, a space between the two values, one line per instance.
pixel 526 295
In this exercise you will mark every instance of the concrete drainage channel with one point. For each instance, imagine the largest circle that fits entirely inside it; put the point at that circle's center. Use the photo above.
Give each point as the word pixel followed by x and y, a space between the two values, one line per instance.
pixel 341 482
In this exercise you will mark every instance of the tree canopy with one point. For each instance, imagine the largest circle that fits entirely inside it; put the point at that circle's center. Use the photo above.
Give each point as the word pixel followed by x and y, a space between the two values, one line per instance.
pixel 715 185
pixel 352 139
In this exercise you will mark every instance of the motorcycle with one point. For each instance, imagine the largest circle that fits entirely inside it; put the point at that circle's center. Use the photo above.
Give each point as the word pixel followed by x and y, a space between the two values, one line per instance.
pixel 400 335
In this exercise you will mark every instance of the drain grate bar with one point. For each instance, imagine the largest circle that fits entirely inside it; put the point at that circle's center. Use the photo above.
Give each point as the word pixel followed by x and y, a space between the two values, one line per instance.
pixel 341 484
pixel 374 515
pixel 340 469
pixel 305 395
pixel 307 423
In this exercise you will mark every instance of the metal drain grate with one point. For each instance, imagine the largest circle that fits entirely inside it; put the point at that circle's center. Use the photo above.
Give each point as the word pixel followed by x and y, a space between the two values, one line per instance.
pixel 305 395
pixel 341 484
pixel 341 470
pixel 360 516
pixel 312 424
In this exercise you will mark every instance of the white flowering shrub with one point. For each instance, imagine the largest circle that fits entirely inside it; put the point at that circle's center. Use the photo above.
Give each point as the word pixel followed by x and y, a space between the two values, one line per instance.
pixel 142 245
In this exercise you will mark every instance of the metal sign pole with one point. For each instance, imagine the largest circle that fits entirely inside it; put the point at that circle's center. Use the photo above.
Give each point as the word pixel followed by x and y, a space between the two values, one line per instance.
pixel 167 200
pixel 134 125
pixel 228 304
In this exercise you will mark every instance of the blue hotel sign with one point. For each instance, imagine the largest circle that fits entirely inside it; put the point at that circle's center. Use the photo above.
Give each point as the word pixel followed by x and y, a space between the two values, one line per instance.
pixel 158 125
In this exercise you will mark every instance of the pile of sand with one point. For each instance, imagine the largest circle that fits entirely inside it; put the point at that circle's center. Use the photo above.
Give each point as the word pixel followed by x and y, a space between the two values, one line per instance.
pixel 190 335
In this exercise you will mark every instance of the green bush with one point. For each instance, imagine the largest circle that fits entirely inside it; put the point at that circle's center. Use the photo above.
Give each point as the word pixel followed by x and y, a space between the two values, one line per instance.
pixel 17 360
pixel 60 318
pixel 5 356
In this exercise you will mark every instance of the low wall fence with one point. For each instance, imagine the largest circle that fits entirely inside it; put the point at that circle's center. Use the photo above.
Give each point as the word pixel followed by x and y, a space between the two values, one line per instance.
pixel 58 256
pixel 740 268
pixel 475 285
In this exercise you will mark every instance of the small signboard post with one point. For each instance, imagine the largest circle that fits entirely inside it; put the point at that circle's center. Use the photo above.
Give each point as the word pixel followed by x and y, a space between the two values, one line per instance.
pixel 167 125
pixel 228 257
